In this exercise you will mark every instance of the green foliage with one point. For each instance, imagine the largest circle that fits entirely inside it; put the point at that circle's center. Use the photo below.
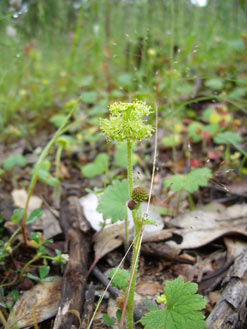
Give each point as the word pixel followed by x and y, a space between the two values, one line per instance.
pixel 227 137
pixel 111 321
pixel 43 272
pixel 1 173
pixel 65 141
pixel 125 80
pixel 125 122
pixel 15 160
pixel 12 298
pixel 183 306
pixel 38 242
pixel 237 93
pixel 89 97
pixel 35 214
pixel 17 215
pixel 107 320
pixel 190 182
pixel 170 141
pixel 112 203
pixel 215 83
pixel 98 167
pixel 44 174
pixel 195 131
pixel 120 155
pixel 120 277
pixel 58 120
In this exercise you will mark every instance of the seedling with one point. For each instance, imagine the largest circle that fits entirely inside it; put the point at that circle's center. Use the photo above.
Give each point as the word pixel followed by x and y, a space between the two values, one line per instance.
pixel 10 299
pixel 6 248
pixel 189 183
pixel 12 162
pixel 43 272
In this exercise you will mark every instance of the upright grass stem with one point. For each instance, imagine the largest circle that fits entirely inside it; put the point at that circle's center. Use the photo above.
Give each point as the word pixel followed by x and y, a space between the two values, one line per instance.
pixel 58 163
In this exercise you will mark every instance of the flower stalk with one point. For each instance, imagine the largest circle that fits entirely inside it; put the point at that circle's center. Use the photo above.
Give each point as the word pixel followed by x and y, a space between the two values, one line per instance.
pixel 126 123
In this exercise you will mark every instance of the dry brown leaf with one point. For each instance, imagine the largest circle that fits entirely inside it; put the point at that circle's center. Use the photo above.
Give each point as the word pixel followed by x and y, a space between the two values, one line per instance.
pixel 200 227
pixel 20 198
pixel 146 288
pixel 239 188
pixel 50 225
pixel 37 304
pixel 108 239
pixel 235 247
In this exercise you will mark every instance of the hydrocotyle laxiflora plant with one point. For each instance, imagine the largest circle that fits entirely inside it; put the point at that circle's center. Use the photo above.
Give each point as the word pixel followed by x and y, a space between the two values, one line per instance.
pixel 127 123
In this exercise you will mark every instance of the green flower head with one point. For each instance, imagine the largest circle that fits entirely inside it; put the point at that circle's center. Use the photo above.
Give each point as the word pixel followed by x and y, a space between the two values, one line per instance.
pixel 126 123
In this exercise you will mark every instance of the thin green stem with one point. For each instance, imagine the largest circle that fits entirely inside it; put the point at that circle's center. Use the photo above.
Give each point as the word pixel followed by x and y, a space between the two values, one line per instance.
pixel 191 202
pixel 130 184
pixel 58 161
pixel 36 171
pixel 25 267
pixel 133 274
pixel 130 171
pixel 179 201
pixel 14 235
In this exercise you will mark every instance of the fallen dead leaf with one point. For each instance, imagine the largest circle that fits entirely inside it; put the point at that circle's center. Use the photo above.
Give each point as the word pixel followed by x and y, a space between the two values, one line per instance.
pixel 235 247
pixel 146 288
pixel 20 198
pixel 108 239
pixel 200 227
pixel 239 188
pixel 50 224
pixel 36 305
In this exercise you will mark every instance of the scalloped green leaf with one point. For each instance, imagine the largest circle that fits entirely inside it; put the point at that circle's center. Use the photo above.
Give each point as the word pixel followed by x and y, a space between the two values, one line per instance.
pixel 97 167
pixel 120 277
pixel 112 203
pixel 183 306
pixel 190 182
pixel 15 160
pixel 228 137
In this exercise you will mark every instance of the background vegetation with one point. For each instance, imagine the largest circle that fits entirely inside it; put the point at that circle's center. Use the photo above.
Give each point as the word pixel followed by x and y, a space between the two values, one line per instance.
pixel 54 51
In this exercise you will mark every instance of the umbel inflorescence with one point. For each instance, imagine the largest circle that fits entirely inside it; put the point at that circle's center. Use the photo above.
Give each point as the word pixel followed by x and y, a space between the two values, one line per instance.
pixel 126 122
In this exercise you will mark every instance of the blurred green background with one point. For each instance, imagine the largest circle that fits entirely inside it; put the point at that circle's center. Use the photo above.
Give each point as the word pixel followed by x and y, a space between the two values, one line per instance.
pixel 53 51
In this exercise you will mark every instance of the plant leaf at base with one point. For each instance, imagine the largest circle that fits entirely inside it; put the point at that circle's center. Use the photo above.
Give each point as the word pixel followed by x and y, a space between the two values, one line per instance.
pixel 183 305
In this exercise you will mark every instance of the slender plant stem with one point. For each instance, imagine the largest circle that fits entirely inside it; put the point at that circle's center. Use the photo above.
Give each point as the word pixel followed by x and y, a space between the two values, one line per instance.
pixel 58 161
pixel 133 274
pixel 36 170
pixel 130 173
pixel 14 235
pixel 191 202
pixel 2 318
pixel 25 267
pixel 179 201
pixel 130 185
